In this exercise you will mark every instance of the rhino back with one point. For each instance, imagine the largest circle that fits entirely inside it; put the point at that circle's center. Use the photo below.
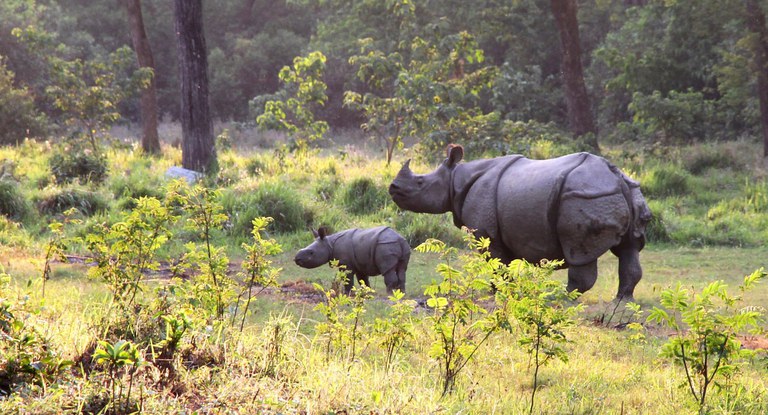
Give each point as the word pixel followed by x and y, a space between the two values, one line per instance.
pixel 570 207
pixel 356 249
pixel 528 202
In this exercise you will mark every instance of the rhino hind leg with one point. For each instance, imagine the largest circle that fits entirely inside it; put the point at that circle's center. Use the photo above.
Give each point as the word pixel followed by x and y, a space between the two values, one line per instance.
pixel 582 277
pixel 630 271
pixel 402 266
pixel 391 280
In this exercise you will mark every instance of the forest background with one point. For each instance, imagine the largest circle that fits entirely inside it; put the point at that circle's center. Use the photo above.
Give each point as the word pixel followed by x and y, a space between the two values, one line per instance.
pixel 656 72
pixel 122 291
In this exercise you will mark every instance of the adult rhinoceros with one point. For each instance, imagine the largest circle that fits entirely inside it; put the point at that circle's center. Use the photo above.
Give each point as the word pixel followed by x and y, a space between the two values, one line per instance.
pixel 574 207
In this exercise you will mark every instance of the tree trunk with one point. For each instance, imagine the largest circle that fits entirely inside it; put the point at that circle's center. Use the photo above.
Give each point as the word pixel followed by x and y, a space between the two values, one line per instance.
pixel 198 151
pixel 150 143
pixel 756 24
pixel 580 117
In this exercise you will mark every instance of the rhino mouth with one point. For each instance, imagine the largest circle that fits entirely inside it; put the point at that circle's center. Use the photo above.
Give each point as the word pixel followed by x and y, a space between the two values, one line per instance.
pixel 395 191
pixel 398 196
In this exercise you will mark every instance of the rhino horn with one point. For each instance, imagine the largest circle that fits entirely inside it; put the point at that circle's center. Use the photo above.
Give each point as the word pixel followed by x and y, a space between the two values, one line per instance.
pixel 406 169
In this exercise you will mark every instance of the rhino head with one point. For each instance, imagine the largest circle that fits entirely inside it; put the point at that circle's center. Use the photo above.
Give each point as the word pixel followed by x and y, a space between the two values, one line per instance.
pixel 317 253
pixel 426 193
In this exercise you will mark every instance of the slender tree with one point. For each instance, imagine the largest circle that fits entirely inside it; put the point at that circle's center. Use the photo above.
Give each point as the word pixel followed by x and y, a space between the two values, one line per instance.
pixel 150 142
pixel 756 23
pixel 198 151
pixel 580 117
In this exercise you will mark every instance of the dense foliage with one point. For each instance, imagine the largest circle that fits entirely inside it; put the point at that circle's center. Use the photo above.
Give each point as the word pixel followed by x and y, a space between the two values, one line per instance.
pixel 444 71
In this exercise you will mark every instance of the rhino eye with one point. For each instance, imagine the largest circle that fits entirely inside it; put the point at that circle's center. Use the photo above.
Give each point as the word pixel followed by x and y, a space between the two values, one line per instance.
pixel 420 181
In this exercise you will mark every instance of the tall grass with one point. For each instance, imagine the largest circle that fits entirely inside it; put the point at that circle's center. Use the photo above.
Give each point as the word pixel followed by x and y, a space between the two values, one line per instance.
pixel 275 199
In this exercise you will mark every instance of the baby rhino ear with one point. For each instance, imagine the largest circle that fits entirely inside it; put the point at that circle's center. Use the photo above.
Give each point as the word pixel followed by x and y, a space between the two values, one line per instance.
pixel 455 154
pixel 322 232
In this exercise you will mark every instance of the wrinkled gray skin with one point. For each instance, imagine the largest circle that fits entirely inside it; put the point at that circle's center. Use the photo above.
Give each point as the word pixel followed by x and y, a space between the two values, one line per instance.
pixel 574 207
pixel 364 252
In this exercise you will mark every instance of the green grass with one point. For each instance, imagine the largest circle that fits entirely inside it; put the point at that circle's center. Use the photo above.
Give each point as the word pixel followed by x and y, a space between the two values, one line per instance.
pixel 607 372
pixel 717 228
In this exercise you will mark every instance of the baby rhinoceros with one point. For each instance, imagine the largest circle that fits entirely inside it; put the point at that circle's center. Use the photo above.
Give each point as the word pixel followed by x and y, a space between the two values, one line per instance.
pixel 364 252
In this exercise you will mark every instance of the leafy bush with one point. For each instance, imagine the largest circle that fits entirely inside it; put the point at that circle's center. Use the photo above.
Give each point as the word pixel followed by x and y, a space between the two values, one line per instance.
pixel 677 117
pixel 13 234
pixel 363 196
pixel 56 201
pixel 459 325
pixel 70 163
pixel 12 201
pixel 536 140
pixel 273 199
pixel 662 181
pixel 18 117
pixel 26 356
pixel 707 327
pixel 656 229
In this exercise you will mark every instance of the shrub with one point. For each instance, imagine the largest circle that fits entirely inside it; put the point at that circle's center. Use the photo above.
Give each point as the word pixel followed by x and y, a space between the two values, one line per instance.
pixel 662 181
pixel 72 162
pixel 273 199
pixel 12 201
pixel 138 184
pixel 13 234
pixel 363 195
pixel 333 217
pixel 327 187
pixel 27 356
pixel 707 326
pixel 57 201
pixel 531 139
pixel 656 230
pixel 18 117
pixel 676 117
pixel 255 167
pixel 700 158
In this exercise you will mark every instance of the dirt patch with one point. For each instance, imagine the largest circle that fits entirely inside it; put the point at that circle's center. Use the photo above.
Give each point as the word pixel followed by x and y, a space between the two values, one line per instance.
pixel 754 342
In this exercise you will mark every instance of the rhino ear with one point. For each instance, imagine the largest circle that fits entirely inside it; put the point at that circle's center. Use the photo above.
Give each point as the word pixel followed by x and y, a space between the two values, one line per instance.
pixel 322 232
pixel 455 154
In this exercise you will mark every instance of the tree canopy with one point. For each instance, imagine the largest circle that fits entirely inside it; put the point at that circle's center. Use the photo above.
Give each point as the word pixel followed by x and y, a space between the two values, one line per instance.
pixel 654 71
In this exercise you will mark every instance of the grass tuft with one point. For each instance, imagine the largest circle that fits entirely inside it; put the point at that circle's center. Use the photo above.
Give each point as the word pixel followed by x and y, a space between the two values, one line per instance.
pixel 273 199
pixel 364 195
pixel 13 204
pixel 54 201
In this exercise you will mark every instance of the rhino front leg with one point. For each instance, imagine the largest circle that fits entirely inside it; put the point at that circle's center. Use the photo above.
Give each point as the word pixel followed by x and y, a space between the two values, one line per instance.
pixel 498 250
pixel 582 277
pixel 630 271
pixel 363 279
pixel 349 283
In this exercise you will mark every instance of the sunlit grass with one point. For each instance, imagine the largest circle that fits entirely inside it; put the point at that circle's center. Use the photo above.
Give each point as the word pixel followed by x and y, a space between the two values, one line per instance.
pixel 607 371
